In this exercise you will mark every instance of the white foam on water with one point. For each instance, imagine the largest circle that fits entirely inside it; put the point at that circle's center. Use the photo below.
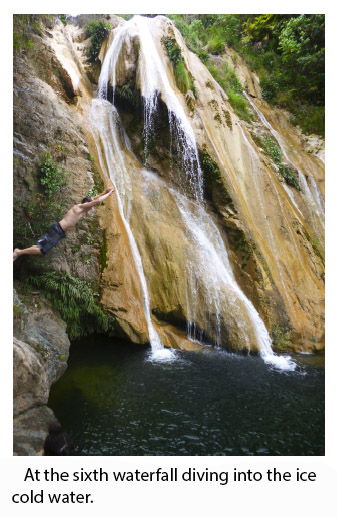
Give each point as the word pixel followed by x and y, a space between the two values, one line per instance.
pixel 162 355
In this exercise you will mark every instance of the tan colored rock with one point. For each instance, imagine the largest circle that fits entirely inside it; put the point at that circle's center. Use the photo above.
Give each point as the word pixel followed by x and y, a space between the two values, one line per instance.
pixel 31 386
pixel 41 348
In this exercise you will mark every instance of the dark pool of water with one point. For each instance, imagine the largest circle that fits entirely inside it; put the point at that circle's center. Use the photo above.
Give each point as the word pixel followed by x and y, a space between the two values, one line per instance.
pixel 113 401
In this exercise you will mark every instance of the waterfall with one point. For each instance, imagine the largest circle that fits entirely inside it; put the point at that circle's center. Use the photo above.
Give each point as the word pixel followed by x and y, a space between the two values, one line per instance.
pixel 153 79
pixel 104 119
pixel 212 262
pixel 210 265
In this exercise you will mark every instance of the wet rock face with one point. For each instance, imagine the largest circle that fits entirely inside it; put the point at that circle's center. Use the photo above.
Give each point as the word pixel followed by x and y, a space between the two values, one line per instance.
pixel 41 348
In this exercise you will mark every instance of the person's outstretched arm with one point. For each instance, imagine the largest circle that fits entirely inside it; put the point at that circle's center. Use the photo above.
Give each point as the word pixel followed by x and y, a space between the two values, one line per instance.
pixel 109 190
pixel 97 199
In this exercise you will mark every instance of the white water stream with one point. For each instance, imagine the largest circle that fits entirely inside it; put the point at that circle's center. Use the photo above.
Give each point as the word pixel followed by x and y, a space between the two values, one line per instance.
pixel 153 79
pixel 210 264
pixel 104 118
pixel 313 197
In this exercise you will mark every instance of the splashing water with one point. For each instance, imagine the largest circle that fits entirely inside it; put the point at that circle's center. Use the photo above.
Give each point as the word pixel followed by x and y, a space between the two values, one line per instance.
pixel 212 265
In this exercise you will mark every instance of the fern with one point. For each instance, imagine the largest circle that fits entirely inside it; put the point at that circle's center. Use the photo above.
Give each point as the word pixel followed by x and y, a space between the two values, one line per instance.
pixel 76 301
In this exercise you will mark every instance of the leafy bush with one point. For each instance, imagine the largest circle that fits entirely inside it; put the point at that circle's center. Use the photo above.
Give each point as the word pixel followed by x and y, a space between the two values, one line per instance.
pixel 51 176
pixel 46 204
pixel 76 301
pixel 210 169
pixel 281 337
pixel 216 44
pixel 240 106
pixel 209 166
pixel 97 31
pixel 271 147
pixel 183 78
pixel 310 118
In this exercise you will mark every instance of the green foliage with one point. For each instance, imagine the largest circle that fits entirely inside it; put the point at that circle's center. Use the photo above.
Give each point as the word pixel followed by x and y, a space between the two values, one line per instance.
pixel 210 170
pixel 209 166
pixel 269 144
pixel 128 96
pixel 76 301
pixel 281 337
pixel 310 118
pixel 98 31
pixel 208 32
pixel 47 200
pixel 316 246
pixel 51 176
pixel 301 42
pixel 182 76
pixel 24 26
pixel 192 32
pixel 290 63
pixel 240 106
pixel 98 182
pixel 63 18
pixel 173 50
pixel 216 44
pixel 285 50
pixel 271 147
pixel 225 75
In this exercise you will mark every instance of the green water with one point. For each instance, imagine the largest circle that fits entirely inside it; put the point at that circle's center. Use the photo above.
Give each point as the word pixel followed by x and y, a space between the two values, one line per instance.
pixel 113 400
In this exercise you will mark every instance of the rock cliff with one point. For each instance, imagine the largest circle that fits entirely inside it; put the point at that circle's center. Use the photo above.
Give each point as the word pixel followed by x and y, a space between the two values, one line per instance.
pixel 41 348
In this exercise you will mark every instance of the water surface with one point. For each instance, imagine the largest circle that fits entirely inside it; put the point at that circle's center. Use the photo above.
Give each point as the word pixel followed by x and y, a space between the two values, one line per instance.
pixel 113 400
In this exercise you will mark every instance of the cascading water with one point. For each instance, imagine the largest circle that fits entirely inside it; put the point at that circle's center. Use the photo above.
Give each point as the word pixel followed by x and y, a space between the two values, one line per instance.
pixel 210 265
pixel 153 78
pixel 312 195
pixel 104 118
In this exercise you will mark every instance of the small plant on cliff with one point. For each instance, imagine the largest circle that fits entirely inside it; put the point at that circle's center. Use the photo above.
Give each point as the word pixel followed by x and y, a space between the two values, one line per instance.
pixel 210 169
pixel 76 301
pixel 52 176
pixel 209 166
pixel 272 148
pixel 281 337
pixel 173 50
pixel 182 76
pixel 47 200
pixel 225 75
pixel 24 26
pixel 97 31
